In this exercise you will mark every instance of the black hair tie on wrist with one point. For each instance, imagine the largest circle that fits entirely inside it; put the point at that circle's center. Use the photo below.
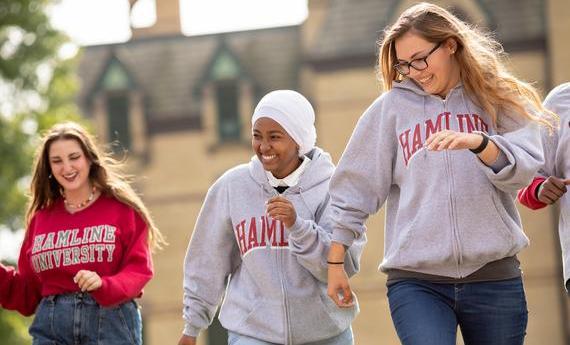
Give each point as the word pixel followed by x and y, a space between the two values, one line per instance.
pixel 483 144
pixel 335 262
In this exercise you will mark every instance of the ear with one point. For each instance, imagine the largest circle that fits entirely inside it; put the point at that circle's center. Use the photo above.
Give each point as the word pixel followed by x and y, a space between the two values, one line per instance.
pixel 451 45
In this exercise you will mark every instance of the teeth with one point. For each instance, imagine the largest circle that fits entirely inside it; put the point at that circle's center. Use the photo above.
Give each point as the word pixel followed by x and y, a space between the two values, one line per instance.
pixel 266 158
pixel 425 80
pixel 70 176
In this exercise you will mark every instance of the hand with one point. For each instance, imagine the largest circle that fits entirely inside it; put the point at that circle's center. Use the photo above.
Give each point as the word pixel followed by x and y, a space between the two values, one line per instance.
pixel 87 280
pixel 452 140
pixel 337 277
pixel 187 340
pixel 338 285
pixel 552 189
pixel 282 209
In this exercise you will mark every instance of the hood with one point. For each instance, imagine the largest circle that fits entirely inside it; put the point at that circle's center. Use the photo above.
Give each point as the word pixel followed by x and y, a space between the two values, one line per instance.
pixel 318 170
pixel 409 84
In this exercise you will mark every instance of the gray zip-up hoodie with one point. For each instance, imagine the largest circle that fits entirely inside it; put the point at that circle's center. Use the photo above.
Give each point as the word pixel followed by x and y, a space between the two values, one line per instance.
pixel 277 288
pixel 447 213
pixel 557 163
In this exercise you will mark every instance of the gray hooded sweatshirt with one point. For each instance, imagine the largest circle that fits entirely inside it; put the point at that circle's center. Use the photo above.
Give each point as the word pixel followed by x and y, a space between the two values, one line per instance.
pixel 447 213
pixel 557 163
pixel 277 289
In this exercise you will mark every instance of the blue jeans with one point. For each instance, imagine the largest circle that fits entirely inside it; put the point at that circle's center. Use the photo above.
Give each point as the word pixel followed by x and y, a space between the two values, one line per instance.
pixel 345 338
pixel 489 313
pixel 76 319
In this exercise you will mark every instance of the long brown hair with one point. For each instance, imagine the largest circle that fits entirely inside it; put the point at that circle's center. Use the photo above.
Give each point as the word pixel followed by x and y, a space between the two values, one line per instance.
pixel 486 79
pixel 105 174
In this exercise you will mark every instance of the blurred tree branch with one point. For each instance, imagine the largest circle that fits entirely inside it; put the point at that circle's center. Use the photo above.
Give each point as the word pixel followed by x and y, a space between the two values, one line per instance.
pixel 37 89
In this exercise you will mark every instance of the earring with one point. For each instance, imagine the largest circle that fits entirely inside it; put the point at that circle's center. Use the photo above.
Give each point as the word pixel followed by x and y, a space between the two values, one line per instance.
pixel 50 176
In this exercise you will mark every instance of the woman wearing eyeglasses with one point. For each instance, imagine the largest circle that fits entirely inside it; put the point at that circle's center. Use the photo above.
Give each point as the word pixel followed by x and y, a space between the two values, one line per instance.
pixel 446 147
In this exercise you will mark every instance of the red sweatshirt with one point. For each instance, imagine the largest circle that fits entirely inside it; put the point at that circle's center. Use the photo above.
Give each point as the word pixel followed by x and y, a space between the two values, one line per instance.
pixel 108 237
pixel 528 195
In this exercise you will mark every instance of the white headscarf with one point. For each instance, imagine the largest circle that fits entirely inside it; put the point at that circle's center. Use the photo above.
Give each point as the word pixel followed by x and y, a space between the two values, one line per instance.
pixel 293 112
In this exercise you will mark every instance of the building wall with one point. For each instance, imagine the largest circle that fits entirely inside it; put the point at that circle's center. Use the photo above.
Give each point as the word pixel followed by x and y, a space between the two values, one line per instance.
pixel 558 26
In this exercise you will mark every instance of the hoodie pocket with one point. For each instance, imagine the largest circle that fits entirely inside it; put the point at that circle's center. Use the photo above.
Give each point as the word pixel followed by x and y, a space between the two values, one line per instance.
pixel 315 316
pixel 482 229
pixel 425 239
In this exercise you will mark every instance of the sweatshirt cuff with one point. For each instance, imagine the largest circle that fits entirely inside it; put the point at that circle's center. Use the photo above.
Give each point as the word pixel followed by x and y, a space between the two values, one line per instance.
pixel 499 163
pixel 298 226
pixel 343 236
pixel 504 160
pixel 191 331
pixel 528 196
pixel 100 295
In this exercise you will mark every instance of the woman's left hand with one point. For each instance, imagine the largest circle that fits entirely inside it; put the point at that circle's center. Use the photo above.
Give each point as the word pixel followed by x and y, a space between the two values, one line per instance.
pixel 282 209
pixel 87 280
pixel 452 140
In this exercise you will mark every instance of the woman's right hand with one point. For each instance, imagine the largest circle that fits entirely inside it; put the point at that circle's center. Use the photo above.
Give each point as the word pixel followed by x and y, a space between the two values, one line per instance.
pixel 338 287
pixel 187 340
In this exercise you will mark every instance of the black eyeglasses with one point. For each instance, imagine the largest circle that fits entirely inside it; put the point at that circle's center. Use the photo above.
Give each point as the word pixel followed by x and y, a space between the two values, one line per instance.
pixel 418 64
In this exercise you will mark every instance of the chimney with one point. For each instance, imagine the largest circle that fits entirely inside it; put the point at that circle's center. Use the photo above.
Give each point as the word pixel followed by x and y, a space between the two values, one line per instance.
pixel 318 10
pixel 167 20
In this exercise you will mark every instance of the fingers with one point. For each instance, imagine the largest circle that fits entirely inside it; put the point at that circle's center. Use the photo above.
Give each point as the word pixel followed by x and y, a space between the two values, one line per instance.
pixel 278 198
pixel 556 183
pixel 566 181
pixel 547 197
pixel 279 206
pixel 339 288
pixel 445 140
pixel 555 190
pixel 348 300
pixel 87 280
pixel 334 296
pixel 433 140
pixel 551 190
pixel 277 210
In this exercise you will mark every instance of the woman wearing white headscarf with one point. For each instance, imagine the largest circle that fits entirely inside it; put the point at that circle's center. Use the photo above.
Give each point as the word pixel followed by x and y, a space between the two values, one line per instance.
pixel 256 243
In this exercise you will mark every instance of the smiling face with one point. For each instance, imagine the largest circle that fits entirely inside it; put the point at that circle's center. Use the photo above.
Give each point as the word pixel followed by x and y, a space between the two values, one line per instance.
pixel 276 150
pixel 69 166
pixel 442 72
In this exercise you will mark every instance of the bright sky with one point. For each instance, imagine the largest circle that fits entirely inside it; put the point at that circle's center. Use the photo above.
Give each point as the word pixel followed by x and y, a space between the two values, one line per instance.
pixel 10 243
pixel 90 22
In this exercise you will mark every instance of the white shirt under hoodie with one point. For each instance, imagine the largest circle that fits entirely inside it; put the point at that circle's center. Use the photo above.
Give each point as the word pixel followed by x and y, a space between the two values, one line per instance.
pixel 277 290
pixel 447 213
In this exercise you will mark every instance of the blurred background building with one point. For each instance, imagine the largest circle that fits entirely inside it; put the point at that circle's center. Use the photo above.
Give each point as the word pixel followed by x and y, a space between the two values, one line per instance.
pixel 181 106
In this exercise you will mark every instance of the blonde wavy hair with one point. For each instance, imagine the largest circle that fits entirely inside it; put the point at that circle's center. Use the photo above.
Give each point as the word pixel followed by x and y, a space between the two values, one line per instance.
pixel 484 76
pixel 105 174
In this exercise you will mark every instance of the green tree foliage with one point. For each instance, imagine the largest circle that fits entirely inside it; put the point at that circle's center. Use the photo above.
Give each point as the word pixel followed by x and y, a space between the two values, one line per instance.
pixel 37 87
pixel 36 90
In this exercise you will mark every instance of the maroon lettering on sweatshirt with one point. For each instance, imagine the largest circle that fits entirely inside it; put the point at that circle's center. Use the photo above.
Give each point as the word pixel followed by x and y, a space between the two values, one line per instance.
pixel 412 140
pixel 261 231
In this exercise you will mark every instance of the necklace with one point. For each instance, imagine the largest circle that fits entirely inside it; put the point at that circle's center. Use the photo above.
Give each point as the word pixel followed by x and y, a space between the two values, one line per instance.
pixel 81 204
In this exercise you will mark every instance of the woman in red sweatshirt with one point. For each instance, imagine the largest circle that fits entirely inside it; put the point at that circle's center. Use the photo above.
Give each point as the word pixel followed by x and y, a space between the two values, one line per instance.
pixel 86 252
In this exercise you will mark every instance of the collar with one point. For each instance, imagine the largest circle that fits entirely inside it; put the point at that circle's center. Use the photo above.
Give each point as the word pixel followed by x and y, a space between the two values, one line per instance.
pixel 290 180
